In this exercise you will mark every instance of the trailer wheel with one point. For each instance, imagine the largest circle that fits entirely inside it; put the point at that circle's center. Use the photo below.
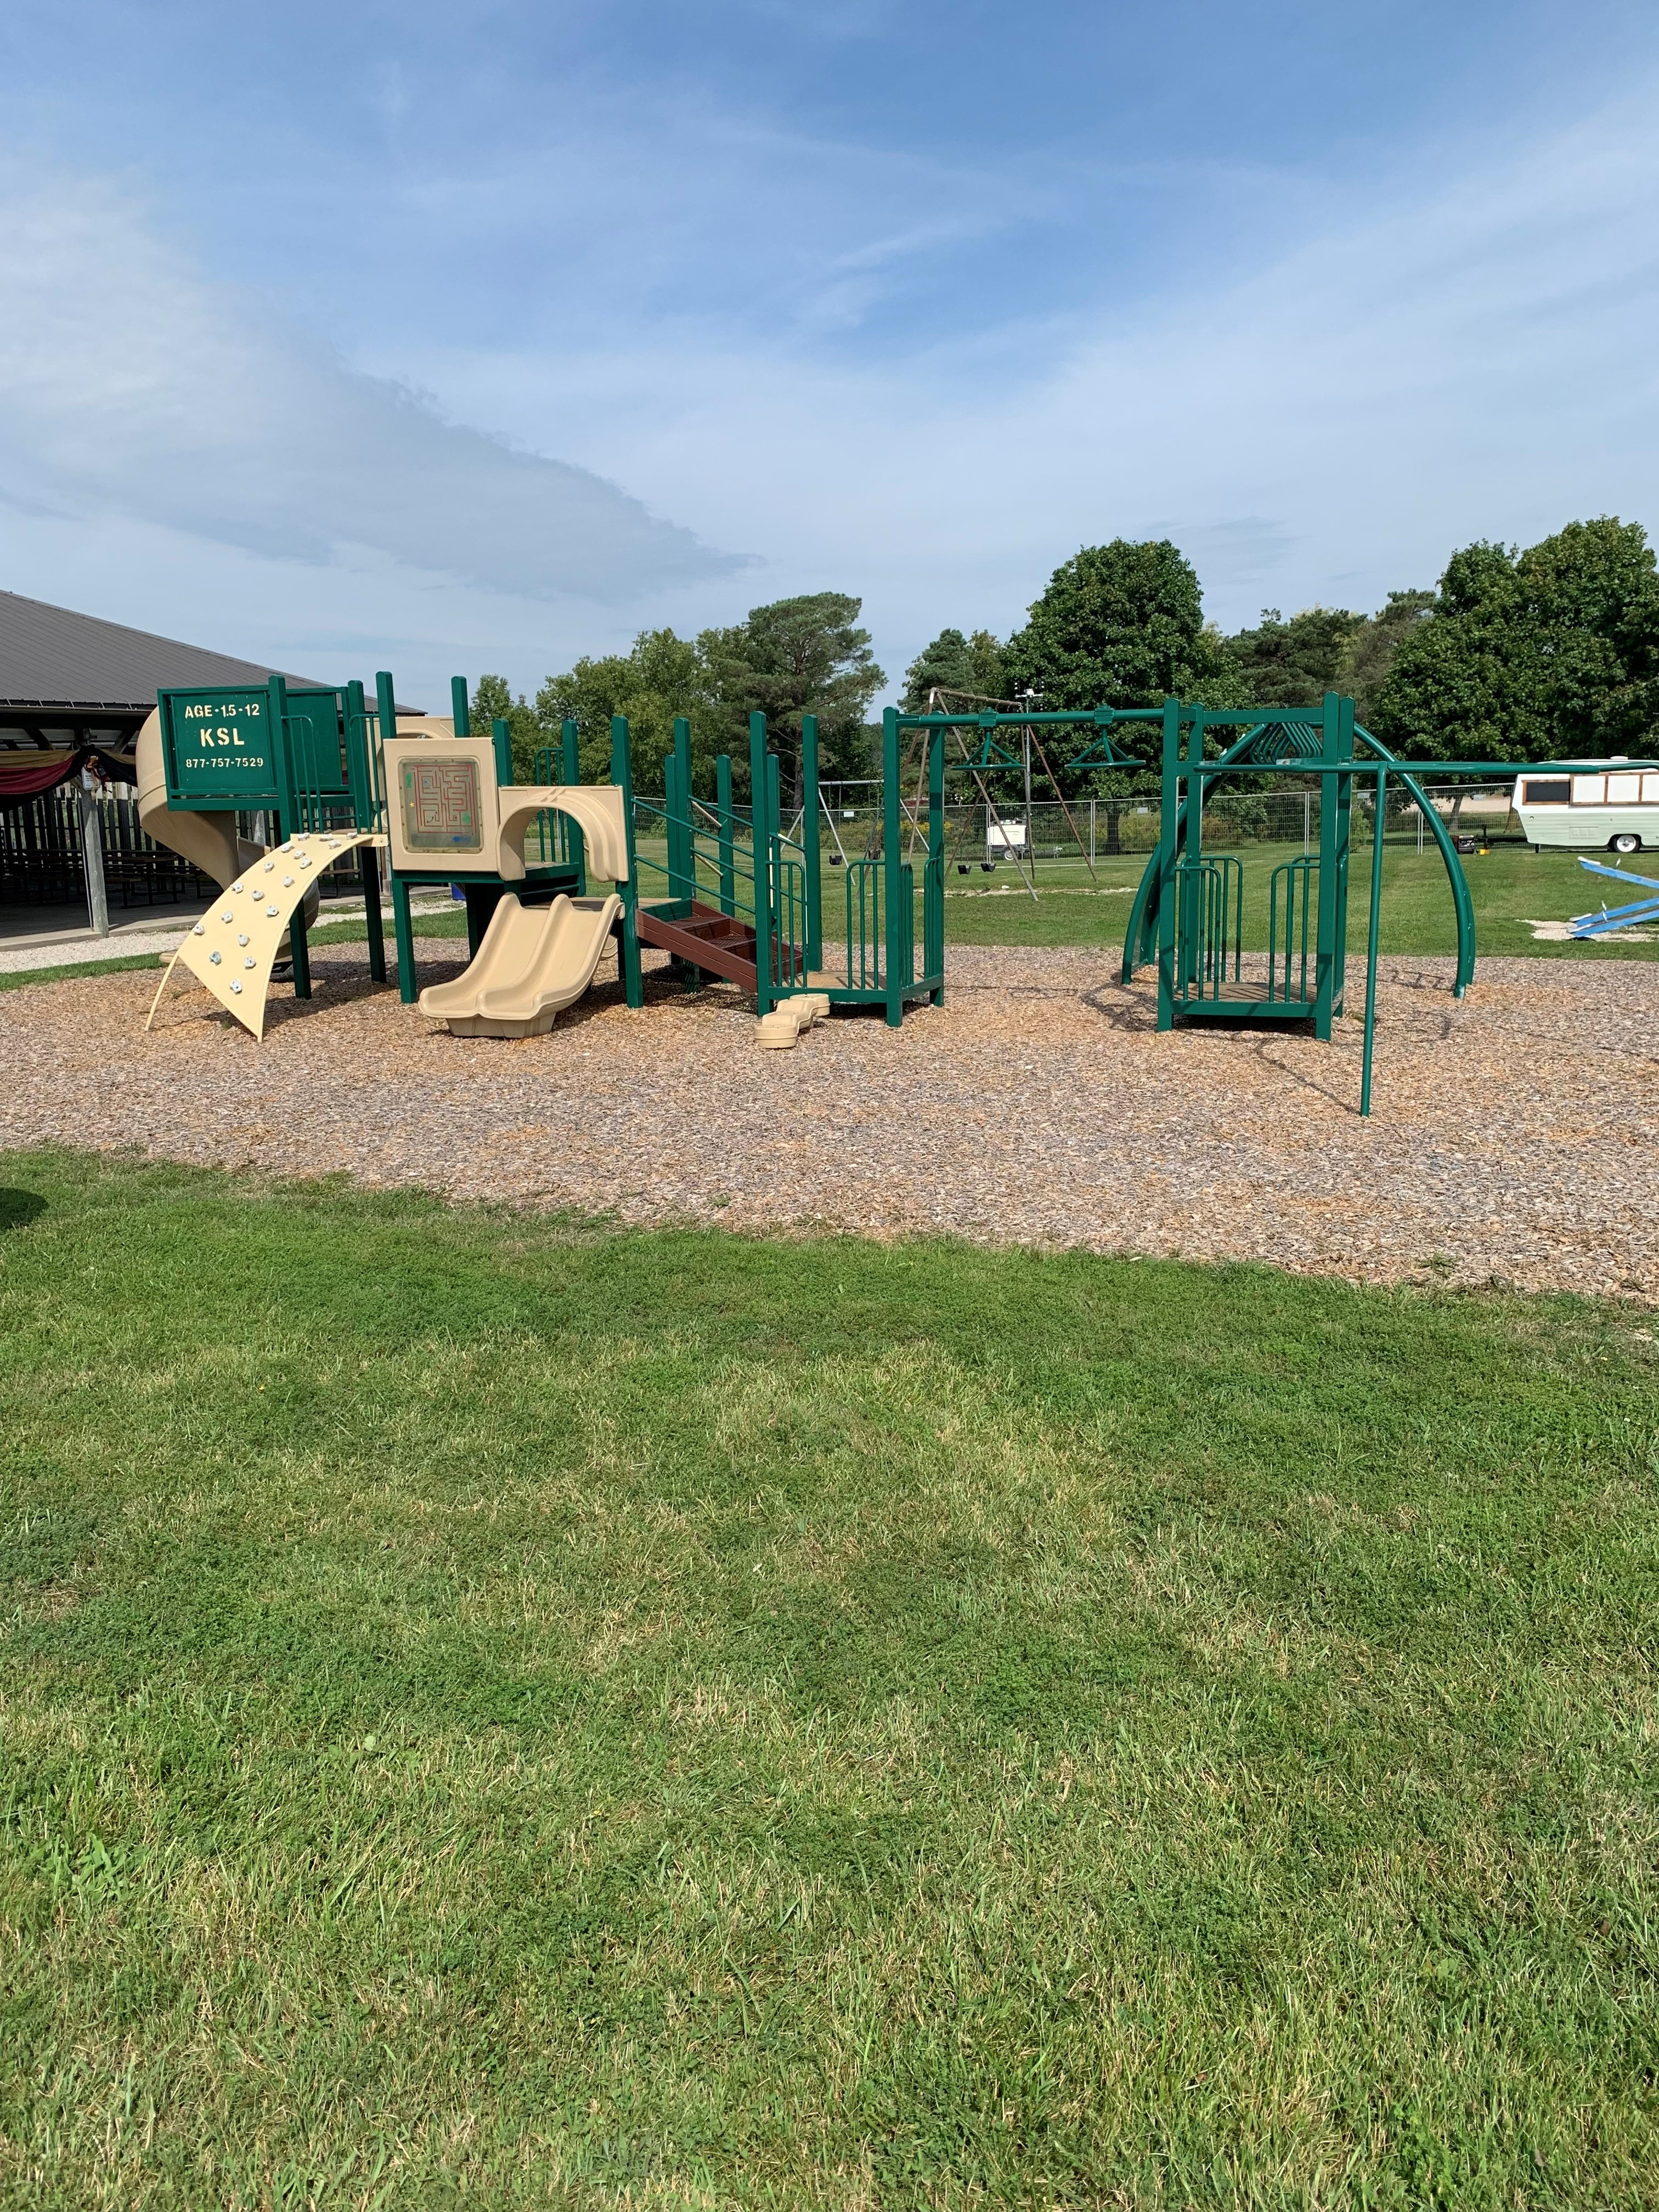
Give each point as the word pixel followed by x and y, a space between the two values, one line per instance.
pixel 1627 841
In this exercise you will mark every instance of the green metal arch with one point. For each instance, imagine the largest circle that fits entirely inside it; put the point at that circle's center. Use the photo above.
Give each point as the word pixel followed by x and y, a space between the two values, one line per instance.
pixel 1139 946
pixel 1463 904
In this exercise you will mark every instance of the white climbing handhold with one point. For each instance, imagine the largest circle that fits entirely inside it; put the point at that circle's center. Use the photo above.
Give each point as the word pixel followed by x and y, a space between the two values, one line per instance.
pixel 198 931
pixel 241 937
pixel 305 859
pixel 214 958
pixel 236 987
pixel 236 888
pixel 227 915
pixel 250 962
pixel 270 864
pixel 270 910
pixel 287 880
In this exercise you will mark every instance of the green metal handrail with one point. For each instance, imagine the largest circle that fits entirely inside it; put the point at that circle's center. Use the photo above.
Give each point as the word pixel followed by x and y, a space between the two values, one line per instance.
pixel 1297 881
pixel 1210 922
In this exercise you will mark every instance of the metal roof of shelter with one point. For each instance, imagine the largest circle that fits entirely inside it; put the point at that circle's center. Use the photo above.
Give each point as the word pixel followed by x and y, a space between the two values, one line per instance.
pixel 68 678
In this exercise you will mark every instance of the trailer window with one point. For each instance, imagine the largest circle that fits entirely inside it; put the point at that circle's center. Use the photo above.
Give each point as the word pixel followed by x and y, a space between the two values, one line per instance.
pixel 1624 790
pixel 1650 791
pixel 1548 791
pixel 1588 790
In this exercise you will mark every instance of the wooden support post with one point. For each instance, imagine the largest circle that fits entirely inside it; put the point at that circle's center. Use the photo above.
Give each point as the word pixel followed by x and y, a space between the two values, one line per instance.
pixel 812 856
pixel 621 774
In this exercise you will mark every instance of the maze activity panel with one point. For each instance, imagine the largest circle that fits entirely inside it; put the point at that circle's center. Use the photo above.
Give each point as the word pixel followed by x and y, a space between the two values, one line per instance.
pixel 443 805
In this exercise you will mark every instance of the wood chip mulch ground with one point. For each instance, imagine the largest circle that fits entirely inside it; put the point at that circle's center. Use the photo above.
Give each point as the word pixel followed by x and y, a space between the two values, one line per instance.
pixel 1512 1139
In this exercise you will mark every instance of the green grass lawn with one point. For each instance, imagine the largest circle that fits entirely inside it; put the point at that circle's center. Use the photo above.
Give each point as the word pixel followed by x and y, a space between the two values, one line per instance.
pixel 500 1711
pixel 1508 884
pixel 16 979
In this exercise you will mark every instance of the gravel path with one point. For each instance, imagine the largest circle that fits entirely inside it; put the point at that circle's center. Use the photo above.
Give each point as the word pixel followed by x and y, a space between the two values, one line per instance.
pixel 1512 1137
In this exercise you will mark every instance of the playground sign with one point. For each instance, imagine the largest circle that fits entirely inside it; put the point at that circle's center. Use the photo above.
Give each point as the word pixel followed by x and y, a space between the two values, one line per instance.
pixel 223 750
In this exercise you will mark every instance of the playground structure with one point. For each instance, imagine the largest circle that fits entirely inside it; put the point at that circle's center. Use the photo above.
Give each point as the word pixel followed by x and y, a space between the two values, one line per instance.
pixel 1187 912
pixel 550 872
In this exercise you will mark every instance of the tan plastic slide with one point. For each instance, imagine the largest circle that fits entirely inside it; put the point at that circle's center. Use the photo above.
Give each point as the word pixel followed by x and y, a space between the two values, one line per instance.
pixel 534 961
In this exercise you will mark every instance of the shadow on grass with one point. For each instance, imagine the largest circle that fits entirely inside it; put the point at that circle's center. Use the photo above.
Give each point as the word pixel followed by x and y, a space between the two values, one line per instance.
pixel 18 1208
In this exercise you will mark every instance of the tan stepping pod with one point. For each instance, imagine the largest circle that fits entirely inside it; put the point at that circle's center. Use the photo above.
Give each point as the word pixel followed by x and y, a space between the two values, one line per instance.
pixel 778 1030
pixel 811 1006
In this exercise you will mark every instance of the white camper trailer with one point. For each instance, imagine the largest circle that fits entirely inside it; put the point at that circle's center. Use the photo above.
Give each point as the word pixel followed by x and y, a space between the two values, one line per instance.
pixel 1602 806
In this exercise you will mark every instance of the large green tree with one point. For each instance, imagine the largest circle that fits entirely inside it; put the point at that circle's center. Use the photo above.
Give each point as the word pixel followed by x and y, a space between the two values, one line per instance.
pixel 1294 663
pixel 1369 653
pixel 493 701
pixel 968 667
pixel 661 676
pixel 1553 651
pixel 807 655
pixel 1120 625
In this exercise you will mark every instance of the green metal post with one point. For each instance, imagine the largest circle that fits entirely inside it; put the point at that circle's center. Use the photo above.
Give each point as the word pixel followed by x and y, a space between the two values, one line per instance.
pixel 458 707
pixel 892 881
pixel 621 774
pixel 358 782
pixel 363 811
pixel 1189 957
pixel 932 905
pixel 293 820
pixel 774 863
pixel 1325 954
pixel 502 731
pixel 1370 941
pixel 570 769
pixel 723 802
pixel 766 995
pixel 811 855
pixel 1167 831
pixel 402 928
pixel 1344 726
pixel 682 847
pixel 403 931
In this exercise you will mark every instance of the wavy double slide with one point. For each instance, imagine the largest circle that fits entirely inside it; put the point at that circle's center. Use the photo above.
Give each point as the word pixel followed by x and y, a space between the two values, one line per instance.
pixel 534 961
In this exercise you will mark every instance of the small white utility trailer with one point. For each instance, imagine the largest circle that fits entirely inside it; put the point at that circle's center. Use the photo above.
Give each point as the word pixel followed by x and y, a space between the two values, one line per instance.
pixel 1601 806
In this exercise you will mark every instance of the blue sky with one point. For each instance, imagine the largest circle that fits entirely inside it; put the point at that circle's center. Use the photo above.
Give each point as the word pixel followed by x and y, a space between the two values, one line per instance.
pixel 479 337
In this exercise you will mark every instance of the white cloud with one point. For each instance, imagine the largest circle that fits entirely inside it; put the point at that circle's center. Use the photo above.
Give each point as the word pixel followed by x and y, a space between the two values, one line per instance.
pixel 131 386
pixel 1466 348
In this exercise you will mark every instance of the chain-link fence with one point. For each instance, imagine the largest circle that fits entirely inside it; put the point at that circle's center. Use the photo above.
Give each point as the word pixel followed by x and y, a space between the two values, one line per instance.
pixel 1100 829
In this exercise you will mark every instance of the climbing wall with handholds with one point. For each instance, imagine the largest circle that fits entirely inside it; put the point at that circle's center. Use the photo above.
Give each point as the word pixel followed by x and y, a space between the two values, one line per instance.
pixel 233 948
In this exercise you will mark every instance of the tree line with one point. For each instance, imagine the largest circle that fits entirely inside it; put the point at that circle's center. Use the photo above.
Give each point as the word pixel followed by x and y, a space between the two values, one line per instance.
pixel 805 655
pixel 1548 652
